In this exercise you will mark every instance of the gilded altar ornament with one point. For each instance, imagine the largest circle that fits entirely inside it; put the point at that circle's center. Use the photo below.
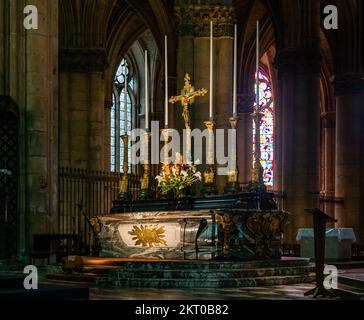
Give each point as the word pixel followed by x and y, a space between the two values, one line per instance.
pixel 209 187
pixel 266 228
pixel 145 180
pixel 187 98
pixel 233 176
pixel 233 122
pixel 227 223
pixel 148 236
pixel 96 226
pixel 232 186
pixel 209 176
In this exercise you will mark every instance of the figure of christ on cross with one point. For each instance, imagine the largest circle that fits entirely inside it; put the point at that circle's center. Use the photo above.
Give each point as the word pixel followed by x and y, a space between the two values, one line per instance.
pixel 186 98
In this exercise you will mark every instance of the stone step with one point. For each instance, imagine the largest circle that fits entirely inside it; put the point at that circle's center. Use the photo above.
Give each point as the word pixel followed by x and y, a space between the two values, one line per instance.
pixel 349 280
pixel 209 274
pixel 204 283
pixel 350 293
pixel 77 278
pixel 212 265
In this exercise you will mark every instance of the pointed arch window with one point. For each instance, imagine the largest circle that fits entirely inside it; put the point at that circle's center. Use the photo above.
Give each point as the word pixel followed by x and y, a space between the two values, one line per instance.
pixel 266 105
pixel 123 102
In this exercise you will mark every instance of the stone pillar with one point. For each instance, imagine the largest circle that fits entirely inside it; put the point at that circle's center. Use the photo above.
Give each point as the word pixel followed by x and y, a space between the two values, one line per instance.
pixel 299 73
pixel 224 89
pixel 82 107
pixel 244 137
pixel 193 57
pixel 41 124
pixel 349 92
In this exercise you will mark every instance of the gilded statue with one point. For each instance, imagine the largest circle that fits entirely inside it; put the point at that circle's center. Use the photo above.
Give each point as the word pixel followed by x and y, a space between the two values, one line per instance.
pixel 227 223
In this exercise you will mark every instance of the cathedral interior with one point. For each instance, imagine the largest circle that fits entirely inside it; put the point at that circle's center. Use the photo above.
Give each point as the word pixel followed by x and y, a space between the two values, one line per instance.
pixel 78 76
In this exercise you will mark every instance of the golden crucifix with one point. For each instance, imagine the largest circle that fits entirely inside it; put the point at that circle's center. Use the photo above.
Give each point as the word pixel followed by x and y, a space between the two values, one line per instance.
pixel 186 98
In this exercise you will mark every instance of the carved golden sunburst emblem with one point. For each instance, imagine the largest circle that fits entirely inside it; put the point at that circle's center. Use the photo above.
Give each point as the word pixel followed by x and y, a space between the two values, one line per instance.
pixel 148 236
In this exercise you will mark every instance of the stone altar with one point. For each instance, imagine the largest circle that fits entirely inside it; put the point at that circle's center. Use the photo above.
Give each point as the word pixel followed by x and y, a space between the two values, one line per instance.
pixel 337 246
pixel 194 234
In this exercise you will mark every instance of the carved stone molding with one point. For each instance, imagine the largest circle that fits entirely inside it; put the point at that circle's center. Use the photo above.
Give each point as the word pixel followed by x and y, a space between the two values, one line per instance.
pixel 299 60
pixel 194 19
pixel 245 103
pixel 349 83
pixel 83 60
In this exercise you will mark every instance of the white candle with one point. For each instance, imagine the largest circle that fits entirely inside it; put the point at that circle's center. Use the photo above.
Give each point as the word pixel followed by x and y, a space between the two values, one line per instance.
pixel 257 67
pixel 211 69
pixel 235 71
pixel 126 102
pixel 166 81
pixel 146 92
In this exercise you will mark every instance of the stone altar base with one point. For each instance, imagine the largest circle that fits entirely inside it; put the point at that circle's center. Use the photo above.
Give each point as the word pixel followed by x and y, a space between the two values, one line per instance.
pixel 155 273
pixel 235 234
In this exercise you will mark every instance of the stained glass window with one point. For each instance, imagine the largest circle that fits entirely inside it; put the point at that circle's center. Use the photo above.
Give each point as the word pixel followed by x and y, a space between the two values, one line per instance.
pixel 266 106
pixel 121 115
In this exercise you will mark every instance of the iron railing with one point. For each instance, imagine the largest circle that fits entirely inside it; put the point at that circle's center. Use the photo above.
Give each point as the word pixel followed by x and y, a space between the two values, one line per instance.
pixel 84 194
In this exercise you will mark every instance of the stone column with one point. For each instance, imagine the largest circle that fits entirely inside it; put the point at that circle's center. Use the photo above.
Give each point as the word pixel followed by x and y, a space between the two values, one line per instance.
pixel 349 92
pixel 41 121
pixel 82 108
pixel 299 71
pixel 244 137
pixel 224 88
pixel 193 57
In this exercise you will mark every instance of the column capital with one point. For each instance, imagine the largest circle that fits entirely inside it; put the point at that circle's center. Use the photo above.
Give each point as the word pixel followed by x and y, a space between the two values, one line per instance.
pixel 83 60
pixel 348 83
pixel 298 60
pixel 193 18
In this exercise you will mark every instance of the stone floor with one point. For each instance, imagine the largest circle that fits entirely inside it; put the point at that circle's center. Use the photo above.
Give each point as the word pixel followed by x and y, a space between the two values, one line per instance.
pixel 355 274
pixel 286 292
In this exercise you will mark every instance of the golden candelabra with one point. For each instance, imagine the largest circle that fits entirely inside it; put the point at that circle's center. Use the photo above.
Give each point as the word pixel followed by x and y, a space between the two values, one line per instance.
pixel 233 184
pixel 165 134
pixel 124 182
pixel 209 187
pixel 145 193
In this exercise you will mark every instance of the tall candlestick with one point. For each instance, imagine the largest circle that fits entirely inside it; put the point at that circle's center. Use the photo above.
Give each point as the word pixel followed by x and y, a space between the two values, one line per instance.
pixel 166 81
pixel 211 70
pixel 235 71
pixel 126 102
pixel 146 93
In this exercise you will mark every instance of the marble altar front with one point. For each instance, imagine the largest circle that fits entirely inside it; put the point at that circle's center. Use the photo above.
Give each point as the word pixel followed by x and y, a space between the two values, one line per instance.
pixel 194 234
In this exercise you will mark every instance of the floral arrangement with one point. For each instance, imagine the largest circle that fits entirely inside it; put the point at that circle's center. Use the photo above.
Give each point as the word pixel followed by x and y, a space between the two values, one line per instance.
pixel 177 177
